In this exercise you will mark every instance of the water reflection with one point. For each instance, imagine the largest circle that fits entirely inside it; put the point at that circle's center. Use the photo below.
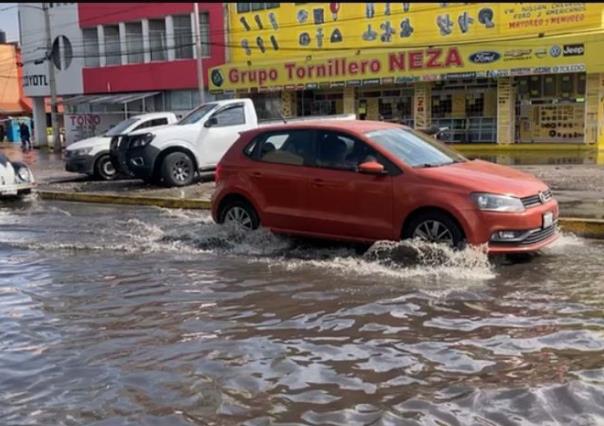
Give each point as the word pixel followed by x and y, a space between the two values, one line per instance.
pixel 161 317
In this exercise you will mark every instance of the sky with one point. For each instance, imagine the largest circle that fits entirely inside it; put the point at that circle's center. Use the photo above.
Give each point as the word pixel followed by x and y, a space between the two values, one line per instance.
pixel 8 21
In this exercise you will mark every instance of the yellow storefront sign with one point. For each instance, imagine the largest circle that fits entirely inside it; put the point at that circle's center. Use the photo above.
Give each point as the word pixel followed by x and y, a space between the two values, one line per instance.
pixel 268 31
pixel 522 57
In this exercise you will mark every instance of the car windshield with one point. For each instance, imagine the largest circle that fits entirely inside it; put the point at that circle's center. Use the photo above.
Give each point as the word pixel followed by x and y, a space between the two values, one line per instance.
pixel 197 114
pixel 414 148
pixel 121 126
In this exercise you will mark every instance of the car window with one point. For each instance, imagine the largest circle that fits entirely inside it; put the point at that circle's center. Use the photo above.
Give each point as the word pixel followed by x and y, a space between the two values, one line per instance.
pixel 197 114
pixel 414 148
pixel 339 151
pixel 230 116
pixel 289 147
pixel 144 125
pixel 120 127
pixel 159 122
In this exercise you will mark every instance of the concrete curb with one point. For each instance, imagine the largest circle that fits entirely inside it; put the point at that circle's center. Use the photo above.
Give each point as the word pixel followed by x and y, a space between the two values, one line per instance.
pixel 591 228
pixel 88 197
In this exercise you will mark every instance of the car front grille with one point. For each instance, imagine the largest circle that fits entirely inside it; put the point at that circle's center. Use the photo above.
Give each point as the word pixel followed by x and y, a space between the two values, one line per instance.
pixel 535 200
pixel 540 235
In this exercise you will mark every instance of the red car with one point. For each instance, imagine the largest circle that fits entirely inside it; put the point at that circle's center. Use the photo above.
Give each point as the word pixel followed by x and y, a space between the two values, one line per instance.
pixel 366 181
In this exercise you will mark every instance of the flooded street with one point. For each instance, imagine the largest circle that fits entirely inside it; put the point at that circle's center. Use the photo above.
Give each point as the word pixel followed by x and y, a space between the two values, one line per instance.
pixel 132 315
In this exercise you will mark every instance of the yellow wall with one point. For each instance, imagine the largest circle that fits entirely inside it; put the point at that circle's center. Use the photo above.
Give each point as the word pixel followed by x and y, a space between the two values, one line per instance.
pixel 361 28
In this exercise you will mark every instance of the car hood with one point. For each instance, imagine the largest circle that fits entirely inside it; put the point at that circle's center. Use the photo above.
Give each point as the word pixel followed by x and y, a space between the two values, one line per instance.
pixel 483 176
pixel 155 130
pixel 90 143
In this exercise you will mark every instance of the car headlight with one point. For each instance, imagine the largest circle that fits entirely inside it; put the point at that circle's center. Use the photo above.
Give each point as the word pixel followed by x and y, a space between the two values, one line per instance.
pixel 24 175
pixel 140 141
pixel 80 152
pixel 497 203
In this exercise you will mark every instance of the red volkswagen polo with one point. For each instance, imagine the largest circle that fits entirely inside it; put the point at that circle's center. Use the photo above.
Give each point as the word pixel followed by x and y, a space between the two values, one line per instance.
pixel 367 181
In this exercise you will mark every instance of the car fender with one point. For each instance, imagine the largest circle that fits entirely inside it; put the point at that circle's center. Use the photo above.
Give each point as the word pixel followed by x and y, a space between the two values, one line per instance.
pixel 239 190
pixel 162 146
pixel 451 205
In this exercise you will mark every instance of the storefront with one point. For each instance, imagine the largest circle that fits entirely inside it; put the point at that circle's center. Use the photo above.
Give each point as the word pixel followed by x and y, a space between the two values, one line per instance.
pixel 530 83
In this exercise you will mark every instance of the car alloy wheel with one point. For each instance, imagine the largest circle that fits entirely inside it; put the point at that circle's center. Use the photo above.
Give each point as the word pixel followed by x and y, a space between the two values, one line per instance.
pixel 105 169
pixel 239 217
pixel 181 171
pixel 108 169
pixel 433 231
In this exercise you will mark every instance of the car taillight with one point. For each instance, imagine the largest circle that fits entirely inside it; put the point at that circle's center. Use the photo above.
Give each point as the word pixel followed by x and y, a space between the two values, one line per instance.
pixel 218 174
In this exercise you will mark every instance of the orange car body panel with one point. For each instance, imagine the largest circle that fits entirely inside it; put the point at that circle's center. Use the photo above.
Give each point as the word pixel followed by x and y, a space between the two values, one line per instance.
pixel 347 205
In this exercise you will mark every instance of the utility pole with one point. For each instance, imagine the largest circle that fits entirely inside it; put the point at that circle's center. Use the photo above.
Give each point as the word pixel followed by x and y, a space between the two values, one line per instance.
pixel 52 82
pixel 198 50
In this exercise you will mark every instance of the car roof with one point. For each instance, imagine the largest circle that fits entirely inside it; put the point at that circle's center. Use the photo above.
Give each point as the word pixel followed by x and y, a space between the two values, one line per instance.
pixel 356 126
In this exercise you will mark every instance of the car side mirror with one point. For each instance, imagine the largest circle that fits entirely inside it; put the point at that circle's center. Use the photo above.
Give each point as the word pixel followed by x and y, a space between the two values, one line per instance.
pixel 212 121
pixel 372 168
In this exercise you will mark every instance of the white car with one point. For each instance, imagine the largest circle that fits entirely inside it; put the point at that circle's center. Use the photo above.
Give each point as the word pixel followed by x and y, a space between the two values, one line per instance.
pixel 91 156
pixel 16 179
pixel 173 154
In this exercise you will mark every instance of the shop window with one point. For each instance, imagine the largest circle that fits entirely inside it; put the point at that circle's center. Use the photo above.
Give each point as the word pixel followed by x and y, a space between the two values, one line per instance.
pixel 385 110
pixel 566 82
pixel 442 105
pixel 246 7
pixel 535 86
pixel 113 53
pixel 523 87
pixel 183 38
pixel 91 47
pixel 204 33
pixel 157 39
pixel 475 104
pixel 549 86
pixel 134 42
pixel 243 7
pixel 581 84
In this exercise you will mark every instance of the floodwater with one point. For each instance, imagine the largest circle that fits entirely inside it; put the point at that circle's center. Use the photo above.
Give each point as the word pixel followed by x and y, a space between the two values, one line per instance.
pixel 131 315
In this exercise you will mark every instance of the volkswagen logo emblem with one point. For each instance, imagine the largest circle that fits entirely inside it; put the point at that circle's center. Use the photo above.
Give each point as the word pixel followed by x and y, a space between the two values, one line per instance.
pixel 542 197
pixel 555 51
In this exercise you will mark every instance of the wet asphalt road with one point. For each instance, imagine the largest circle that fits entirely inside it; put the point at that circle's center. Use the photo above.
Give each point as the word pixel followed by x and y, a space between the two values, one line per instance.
pixel 129 315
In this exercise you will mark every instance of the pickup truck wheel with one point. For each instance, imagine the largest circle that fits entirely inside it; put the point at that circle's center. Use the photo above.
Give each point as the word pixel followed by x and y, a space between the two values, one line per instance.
pixel 240 214
pixel 104 169
pixel 177 169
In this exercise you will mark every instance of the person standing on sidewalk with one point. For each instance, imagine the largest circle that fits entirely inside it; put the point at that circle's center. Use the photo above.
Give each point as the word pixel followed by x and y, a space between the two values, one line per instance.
pixel 25 137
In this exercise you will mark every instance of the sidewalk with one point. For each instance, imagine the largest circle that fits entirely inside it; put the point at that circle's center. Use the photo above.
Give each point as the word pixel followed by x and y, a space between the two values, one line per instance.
pixel 579 188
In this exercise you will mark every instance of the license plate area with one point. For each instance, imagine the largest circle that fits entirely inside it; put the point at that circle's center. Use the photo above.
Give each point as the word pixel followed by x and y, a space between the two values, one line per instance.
pixel 548 219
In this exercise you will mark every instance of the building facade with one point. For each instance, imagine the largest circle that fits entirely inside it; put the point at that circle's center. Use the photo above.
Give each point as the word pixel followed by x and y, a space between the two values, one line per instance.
pixel 503 73
pixel 113 60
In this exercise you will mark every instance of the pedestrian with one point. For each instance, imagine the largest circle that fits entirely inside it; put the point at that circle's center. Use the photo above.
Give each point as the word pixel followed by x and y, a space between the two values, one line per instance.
pixel 2 133
pixel 25 140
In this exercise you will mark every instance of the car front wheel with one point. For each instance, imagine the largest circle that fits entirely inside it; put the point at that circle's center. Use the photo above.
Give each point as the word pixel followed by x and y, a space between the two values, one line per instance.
pixel 177 169
pixel 104 168
pixel 435 227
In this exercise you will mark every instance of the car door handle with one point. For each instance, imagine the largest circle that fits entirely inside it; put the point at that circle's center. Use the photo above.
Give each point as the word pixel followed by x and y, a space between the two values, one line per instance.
pixel 318 182
pixel 256 174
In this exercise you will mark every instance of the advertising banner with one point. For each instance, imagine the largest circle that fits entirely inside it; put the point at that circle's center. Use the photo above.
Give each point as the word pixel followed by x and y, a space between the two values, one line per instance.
pixel 267 31
pixel 523 57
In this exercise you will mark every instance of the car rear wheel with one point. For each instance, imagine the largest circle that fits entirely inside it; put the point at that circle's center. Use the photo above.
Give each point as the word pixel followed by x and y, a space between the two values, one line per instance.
pixel 240 214
pixel 435 227
pixel 177 169
pixel 104 168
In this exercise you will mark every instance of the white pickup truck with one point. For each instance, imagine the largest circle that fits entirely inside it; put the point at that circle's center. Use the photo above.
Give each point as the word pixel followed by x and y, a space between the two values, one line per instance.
pixel 91 156
pixel 173 154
